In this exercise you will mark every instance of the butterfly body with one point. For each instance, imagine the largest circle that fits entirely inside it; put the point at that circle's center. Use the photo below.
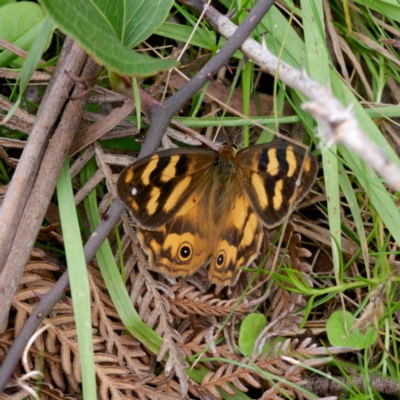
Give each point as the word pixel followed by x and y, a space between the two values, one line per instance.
pixel 197 206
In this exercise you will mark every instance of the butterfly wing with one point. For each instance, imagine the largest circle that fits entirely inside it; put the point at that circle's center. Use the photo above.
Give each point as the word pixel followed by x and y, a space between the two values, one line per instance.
pixel 189 213
pixel 183 245
pixel 237 243
pixel 154 188
pixel 275 177
pixel 164 192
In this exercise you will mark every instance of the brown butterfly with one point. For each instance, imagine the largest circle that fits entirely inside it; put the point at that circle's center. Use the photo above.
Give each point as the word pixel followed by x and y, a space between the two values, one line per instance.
pixel 198 206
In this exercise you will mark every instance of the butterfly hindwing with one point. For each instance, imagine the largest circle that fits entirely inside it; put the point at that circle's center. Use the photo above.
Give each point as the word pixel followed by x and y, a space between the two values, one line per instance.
pixel 275 178
pixel 237 243
pixel 155 187
pixel 183 245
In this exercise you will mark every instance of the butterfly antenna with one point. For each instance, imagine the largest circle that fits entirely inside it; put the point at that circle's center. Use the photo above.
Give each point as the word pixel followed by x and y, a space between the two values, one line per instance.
pixel 217 131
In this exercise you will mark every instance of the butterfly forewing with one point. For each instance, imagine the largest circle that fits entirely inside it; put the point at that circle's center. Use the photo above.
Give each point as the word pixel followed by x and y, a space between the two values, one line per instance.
pixel 275 177
pixel 154 188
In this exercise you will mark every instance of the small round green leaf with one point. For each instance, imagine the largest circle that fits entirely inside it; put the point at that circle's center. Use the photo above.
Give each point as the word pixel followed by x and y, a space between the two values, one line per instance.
pixel 251 327
pixel 339 332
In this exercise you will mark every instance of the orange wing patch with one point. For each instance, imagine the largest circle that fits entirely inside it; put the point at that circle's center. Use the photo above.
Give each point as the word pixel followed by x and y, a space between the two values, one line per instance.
pixel 237 243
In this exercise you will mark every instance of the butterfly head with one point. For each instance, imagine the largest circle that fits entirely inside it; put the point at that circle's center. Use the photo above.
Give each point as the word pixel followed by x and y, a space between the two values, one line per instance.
pixel 229 145
pixel 227 151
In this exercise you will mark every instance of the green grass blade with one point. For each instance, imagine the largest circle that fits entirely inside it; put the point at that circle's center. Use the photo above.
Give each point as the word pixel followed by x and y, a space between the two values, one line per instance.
pixel 388 8
pixel 355 211
pixel 78 279
pixel 318 69
pixel 36 51
pixel 202 38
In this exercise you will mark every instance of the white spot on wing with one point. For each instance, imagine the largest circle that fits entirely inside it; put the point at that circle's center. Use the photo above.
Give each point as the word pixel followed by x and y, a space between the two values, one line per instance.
pixel 134 192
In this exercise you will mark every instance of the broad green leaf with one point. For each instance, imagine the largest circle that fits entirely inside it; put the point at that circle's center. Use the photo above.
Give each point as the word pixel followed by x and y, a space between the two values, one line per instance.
pixel 251 327
pixel 18 18
pixel 108 30
pixel 142 18
pixel 339 332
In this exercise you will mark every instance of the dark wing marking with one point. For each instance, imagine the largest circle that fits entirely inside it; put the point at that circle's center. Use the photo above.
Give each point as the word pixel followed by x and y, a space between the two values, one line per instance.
pixel 275 178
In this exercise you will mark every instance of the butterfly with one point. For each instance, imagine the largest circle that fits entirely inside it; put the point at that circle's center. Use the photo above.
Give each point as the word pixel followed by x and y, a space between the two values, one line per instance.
pixel 197 206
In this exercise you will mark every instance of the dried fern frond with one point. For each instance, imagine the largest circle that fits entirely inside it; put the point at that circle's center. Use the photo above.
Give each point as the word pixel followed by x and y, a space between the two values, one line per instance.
pixel 189 301
pixel 55 351
pixel 229 374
